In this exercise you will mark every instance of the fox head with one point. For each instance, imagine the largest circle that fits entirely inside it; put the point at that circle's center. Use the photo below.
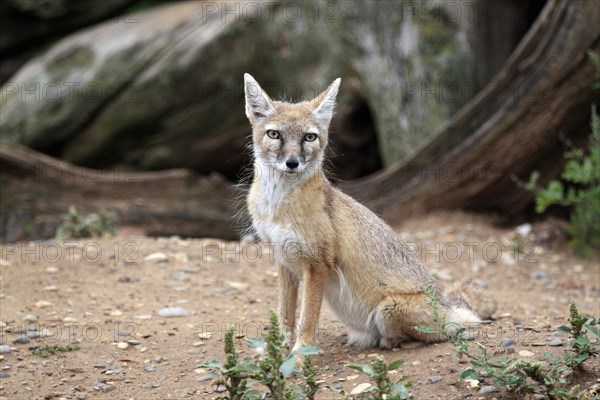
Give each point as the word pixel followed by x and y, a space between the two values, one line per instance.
pixel 289 137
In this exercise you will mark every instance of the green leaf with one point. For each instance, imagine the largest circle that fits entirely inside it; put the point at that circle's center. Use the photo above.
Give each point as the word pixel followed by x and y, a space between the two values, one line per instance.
pixel 249 368
pixel 424 329
pixel 469 374
pixel 288 367
pixel 563 328
pixel 213 364
pixel 257 343
pixel 395 364
pixel 400 391
pixel 364 368
pixel 550 195
pixel 593 330
pixel 308 351
pixel 582 340
pixel 582 358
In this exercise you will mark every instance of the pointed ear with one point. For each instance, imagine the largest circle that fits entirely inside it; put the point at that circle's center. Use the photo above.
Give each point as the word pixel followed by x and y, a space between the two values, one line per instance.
pixel 324 104
pixel 258 103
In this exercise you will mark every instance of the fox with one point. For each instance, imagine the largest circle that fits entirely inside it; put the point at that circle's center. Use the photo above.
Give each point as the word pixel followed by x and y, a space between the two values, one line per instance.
pixel 328 245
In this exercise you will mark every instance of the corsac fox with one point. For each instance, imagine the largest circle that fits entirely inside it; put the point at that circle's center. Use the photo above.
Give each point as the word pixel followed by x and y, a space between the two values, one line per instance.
pixel 336 247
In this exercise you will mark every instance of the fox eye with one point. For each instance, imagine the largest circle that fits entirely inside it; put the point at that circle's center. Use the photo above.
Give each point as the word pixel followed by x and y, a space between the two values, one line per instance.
pixel 273 134
pixel 310 137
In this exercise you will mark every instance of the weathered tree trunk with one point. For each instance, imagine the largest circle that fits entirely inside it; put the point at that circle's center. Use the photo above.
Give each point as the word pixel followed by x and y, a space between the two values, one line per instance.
pixel 513 126
pixel 37 190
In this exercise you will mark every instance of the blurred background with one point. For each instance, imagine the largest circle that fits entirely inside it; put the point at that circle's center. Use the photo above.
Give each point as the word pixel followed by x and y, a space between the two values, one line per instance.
pixel 137 106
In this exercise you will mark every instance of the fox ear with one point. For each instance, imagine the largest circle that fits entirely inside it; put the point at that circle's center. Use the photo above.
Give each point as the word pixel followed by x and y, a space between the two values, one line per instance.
pixel 324 104
pixel 258 103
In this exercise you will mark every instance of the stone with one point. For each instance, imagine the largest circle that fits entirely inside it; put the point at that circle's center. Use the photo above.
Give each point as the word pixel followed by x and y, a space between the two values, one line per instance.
pixel 555 342
pixel 505 342
pixel 487 389
pixel 122 345
pixel 360 388
pixel 526 354
pixel 21 339
pixel 173 312
pixel 156 257
pixel 436 378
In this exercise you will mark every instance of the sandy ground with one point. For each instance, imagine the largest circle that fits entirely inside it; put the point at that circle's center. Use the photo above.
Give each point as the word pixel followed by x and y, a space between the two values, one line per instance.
pixel 101 294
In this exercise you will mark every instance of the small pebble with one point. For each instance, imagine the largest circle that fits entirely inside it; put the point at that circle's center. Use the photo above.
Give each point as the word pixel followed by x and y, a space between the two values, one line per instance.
pixel 156 257
pixel 21 339
pixel 149 368
pixel 4 349
pixel 555 342
pixel 487 389
pixel 122 345
pixel 415 363
pixel 3 374
pixel 360 388
pixel 525 353
pixel 30 318
pixel 43 304
pixel 179 276
pixel 436 378
pixel 507 342
pixel 221 389
pixel 173 312
pixel 204 378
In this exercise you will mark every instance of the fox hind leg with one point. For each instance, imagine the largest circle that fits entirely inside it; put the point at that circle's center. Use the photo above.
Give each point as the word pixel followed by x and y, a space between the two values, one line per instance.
pixel 398 316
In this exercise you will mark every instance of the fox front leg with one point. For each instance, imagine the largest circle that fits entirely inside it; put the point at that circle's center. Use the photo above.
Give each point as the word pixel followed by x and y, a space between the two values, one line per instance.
pixel 288 298
pixel 314 281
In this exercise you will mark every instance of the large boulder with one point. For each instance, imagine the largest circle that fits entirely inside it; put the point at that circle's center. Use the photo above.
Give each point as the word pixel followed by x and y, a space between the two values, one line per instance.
pixel 167 91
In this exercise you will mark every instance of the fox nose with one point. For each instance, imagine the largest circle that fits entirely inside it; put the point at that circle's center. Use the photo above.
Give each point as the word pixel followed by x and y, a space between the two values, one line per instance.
pixel 292 163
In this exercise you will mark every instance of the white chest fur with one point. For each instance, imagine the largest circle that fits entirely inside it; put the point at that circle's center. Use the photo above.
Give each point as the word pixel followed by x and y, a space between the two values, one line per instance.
pixel 282 237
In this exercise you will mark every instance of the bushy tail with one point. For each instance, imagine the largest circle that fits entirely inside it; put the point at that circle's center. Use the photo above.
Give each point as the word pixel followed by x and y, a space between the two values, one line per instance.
pixel 469 302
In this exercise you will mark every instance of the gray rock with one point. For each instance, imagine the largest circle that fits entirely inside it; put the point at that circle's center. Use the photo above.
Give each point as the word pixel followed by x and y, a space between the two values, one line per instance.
pixel 149 368
pixel 36 335
pixel 173 312
pixel 103 387
pixel 179 276
pixel 506 342
pixel 539 275
pixel 4 349
pixel 21 339
pixel 221 388
pixel 555 342
pixel 204 378
pixel 487 389
pixel 436 378
pixel 3 374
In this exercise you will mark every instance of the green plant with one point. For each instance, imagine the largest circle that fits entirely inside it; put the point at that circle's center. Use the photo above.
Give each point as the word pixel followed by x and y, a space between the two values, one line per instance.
pixel 270 370
pixel 75 225
pixel 578 186
pixel 549 378
pixel 384 387
pixel 48 350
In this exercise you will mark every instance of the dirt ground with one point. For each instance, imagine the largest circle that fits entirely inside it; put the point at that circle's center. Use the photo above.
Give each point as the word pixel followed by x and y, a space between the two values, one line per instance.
pixel 105 295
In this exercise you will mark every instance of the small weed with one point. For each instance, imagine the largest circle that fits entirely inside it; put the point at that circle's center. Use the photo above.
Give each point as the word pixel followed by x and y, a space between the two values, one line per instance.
pixel 270 370
pixel 48 350
pixel 550 378
pixel 93 225
pixel 578 186
pixel 384 387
